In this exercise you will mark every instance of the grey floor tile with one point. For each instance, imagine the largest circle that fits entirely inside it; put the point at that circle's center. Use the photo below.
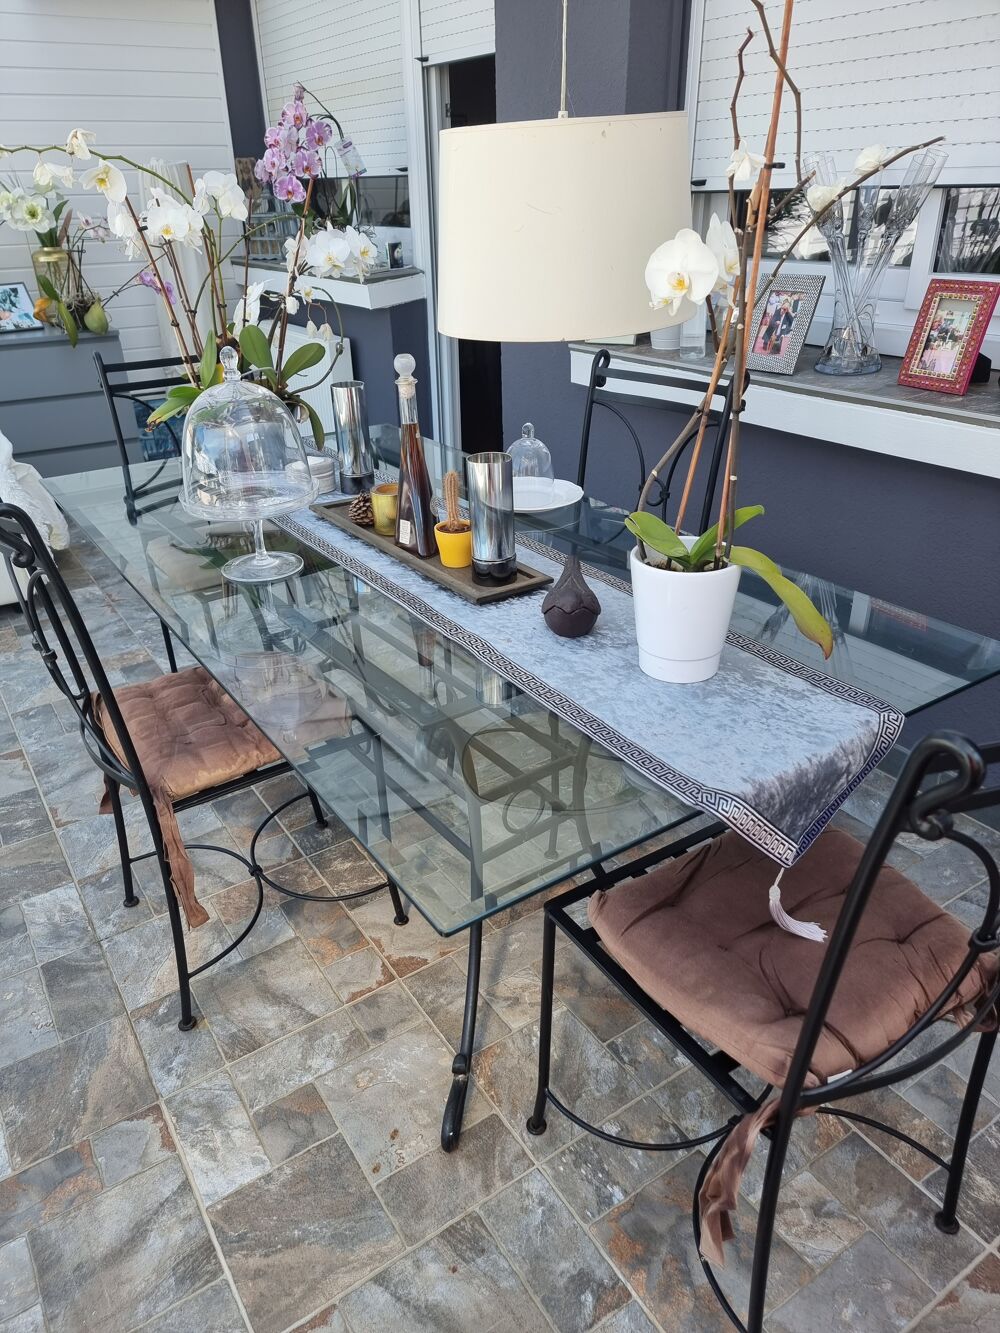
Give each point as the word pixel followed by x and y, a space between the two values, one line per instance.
pixel 70 781
pixel 888 1106
pixel 814 1221
pixel 175 1058
pixel 324 927
pixel 63 1094
pixel 103 896
pixel 211 1310
pixel 647 1054
pixel 31 867
pixel 276 1070
pixel 439 1187
pixel 385 1014
pixel 946 871
pixel 235 907
pixel 866 1287
pixel 23 815
pixel 574 1283
pixel 57 922
pixel 408 947
pixel 41 1192
pixel 31 1321
pixel 440 991
pixel 18 1291
pixel 938 1095
pixel 358 974
pixel 388 1102
pixel 586 992
pixel 26 1024
pixel 143 961
pixel 217 1136
pixel 296 1238
pixel 584 1076
pixel 251 1003
pixel 16 953
pixel 241 813
pixel 133 1145
pixel 630 1318
pixel 594 1176
pixel 294 1123
pixel 972 1305
pixel 81 990
pixel 125 1256
pixel 979 1202
pixel 458 1281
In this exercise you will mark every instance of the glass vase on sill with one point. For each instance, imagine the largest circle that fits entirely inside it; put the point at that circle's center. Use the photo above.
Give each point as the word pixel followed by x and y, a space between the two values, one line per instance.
pixel 850 349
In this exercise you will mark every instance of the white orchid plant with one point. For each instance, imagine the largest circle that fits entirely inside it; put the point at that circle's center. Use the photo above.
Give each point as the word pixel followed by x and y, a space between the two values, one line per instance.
pixel 687 273
pixel 175 219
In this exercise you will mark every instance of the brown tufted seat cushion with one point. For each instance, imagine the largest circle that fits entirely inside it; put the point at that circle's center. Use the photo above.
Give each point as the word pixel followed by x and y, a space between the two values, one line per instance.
pixel 697 936
pixel 189 736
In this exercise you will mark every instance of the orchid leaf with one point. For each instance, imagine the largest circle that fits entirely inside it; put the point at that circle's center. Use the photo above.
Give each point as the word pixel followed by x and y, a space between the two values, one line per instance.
pixel 178 399
pixel 48 289
pixel 209 360
pixel 96 318
pixel 309 354
pixel 319 434
pixel 255 347
pixel 705 544
pixel 68 323
pixel 804 613
pixel 657 535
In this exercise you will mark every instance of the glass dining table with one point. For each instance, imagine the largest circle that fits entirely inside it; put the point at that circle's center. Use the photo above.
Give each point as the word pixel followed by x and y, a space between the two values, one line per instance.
pixel 469 794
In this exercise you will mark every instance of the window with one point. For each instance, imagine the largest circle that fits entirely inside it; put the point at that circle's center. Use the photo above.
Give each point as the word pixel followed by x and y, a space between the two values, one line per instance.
pixel 792 219
pixel 969 238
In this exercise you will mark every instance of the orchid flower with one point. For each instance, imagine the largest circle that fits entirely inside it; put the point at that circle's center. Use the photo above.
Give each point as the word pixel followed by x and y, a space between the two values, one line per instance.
pixel 743 165
pixel 721 240
pixel 871 158
pixel 819 197
pixel 47 174
pixel 108 179
pixel 248 307
pixel 680 274
pixel 30 212
pixel 328 252
pixel 77 142
pixel 122 226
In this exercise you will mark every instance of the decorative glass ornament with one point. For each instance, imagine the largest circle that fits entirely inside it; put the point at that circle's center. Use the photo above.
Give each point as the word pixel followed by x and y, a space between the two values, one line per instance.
pixel 529 456
pixel 243 461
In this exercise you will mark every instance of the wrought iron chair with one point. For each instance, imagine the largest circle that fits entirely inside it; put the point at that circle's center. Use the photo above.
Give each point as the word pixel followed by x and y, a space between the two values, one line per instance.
pixel 113 729
pixel 599 395
pixel 895 964
pixel 118 388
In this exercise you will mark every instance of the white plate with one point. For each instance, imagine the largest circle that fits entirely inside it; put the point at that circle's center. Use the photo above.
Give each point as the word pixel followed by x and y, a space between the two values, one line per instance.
pixel 535 495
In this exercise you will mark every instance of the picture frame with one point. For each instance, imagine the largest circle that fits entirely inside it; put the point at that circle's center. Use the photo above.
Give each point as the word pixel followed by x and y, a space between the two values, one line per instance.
pixel 951 325
pixel 780 324
pixel 17 310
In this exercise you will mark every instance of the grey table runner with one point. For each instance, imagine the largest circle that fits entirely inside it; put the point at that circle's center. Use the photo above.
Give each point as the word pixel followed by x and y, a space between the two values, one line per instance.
pixel 768 745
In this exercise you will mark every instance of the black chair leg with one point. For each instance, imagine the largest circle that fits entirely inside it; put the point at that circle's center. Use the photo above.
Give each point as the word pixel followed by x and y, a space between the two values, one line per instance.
pixel 536 1121
pixel 321 819
pixel 402 916
pixel 765 1224
pixel 945 1219
pixel 114 795
pixel 187 1019
pixel 168 643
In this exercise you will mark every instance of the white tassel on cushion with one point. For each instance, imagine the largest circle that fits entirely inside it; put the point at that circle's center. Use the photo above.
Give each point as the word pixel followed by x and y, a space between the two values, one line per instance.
pixel 809 930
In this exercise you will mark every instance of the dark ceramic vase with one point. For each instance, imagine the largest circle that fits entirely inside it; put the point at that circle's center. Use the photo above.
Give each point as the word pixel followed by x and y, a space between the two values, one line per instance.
pixel 570 607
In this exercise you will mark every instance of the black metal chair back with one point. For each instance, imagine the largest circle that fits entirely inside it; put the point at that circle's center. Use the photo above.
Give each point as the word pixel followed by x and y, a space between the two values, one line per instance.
pixel 62 640
pixel 599 395
pixel 118 388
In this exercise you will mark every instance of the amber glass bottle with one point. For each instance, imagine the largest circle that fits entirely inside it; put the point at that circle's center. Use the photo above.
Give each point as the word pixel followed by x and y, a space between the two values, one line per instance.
pixel 414 518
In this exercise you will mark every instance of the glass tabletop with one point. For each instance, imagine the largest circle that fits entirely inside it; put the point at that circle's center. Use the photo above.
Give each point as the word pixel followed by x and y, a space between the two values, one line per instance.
pixel 469 793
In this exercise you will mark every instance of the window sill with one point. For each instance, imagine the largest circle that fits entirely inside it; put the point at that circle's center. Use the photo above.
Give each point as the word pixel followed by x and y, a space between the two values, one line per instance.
pixel 869 412
pixel 382 290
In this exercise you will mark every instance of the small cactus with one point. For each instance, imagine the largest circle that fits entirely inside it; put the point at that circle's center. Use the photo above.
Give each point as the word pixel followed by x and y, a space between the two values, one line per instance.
pixel 454 522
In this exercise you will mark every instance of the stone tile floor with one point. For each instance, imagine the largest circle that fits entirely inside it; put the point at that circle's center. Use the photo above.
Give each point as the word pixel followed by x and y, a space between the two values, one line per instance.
pixel 279 1167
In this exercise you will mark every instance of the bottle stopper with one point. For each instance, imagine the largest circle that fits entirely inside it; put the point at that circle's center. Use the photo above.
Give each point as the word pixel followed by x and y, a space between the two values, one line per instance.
pixel 230 363
pixel 404 365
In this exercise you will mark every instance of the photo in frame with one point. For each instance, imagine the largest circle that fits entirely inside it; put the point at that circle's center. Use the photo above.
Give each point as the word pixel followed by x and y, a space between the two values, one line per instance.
pixel 17 310
pixel 781 322
pixel 950 328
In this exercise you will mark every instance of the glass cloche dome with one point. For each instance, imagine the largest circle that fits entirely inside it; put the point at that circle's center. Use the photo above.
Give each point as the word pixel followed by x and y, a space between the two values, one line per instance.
pixel 243 462
pixel 532 469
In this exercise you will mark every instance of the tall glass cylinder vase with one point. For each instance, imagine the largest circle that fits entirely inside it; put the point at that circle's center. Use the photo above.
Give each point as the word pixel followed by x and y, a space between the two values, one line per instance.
pixel 861 252
pixel 350 424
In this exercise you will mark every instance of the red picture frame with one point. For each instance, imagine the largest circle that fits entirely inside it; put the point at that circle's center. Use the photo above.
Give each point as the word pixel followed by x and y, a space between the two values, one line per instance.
pixel 948 334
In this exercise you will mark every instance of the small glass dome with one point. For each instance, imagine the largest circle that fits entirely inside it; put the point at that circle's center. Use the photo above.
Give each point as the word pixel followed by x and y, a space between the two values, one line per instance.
pixel 530 456
pixel 243 461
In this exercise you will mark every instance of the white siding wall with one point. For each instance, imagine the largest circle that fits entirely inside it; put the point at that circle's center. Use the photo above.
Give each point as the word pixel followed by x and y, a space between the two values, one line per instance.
pixel 897 72
pixel 146 78
pixel 456 29
pixel 350 56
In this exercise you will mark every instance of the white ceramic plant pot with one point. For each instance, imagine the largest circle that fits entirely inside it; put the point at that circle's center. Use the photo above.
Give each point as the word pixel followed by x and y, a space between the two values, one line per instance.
pixel 681 620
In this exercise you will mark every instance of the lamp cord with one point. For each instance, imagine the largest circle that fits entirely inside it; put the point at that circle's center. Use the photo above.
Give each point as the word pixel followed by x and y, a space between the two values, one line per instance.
pixel 562 87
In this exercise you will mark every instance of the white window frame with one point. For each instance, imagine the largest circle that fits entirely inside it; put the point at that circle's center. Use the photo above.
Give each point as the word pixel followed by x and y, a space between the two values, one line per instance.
pixel 902 289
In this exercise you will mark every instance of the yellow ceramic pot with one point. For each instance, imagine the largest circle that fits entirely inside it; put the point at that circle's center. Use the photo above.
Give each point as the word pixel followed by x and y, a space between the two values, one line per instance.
pixel 454 548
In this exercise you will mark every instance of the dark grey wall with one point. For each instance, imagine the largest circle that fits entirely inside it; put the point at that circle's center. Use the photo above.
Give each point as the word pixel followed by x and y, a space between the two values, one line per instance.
pixel 241 77
pixel 919 536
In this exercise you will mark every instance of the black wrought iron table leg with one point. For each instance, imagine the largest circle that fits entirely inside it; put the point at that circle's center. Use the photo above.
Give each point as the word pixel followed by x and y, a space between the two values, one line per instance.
pixel 461 1068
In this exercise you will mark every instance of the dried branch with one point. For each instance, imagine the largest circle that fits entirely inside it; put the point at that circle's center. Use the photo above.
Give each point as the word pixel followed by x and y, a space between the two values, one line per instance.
pixel 736 125
pixel 720 362
pixel 792 87
pixel 189 361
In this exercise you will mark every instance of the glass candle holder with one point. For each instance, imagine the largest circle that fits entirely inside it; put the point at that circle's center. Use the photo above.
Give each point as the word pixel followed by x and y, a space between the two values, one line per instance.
pixel 385 499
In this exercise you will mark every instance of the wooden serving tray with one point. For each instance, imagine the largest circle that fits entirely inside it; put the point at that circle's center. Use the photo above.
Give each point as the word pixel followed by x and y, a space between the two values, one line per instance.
pixel 457 580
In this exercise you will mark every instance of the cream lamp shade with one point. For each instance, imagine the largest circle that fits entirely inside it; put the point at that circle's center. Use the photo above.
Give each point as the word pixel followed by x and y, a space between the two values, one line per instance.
pixel 545 226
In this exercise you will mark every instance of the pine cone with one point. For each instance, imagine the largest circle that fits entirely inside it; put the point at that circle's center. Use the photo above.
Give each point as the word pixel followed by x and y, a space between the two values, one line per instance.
pixel 360 511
